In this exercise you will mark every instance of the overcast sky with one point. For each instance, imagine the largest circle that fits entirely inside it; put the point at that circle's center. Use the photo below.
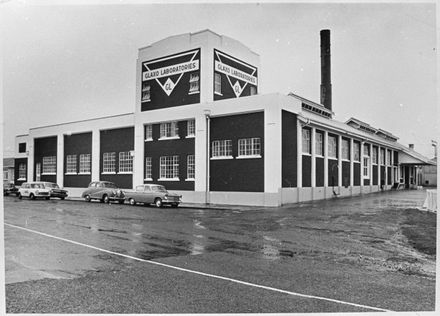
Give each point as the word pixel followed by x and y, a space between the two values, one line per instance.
pixel 65 63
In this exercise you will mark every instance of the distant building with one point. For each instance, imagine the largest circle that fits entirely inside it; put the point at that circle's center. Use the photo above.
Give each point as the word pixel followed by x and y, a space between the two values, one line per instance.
pixel 429 174
pixel 8 169
pixel 200 128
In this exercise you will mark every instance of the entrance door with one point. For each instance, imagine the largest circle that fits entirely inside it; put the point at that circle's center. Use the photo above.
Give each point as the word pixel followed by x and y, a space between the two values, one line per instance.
pixel 406 177
pixel 38 171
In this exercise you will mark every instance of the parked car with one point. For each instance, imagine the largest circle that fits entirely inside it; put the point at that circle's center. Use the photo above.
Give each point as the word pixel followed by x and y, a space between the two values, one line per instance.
pixel 104 191
pixel 9 188
pixel 33 190
pixel 152 194
pixel 55 190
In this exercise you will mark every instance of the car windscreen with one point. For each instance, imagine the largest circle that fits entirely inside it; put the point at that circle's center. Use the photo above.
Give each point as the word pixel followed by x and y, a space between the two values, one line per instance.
pixel 109 185
pixel 52 185
pixel 159 188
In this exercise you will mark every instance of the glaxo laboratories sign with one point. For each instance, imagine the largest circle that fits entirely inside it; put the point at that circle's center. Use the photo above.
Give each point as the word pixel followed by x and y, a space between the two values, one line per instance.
pixel 171 70
pixel 235 73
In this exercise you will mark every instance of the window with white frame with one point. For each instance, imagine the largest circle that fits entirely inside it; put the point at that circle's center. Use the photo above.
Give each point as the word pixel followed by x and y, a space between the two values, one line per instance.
pixel 366 159
pixel 191 128
pixel 71 164
pixel 217 83
pixel 169 168
pixel 356 151
pixel 149 132
pixel 345 149
pixel 306 141
pixel 374 158
pixel 169 130
pixel 389 158
pixel 194 86
pixel 146 92
pixel 125 162
pixel 222 149
pixel 249 147
pixel 148 168
pixel 22 172
pixel 190 167
pixel 109 162
pixel 49 165
pixel 332 147
pixel 319 144
pixel 84 163
pixel 382 156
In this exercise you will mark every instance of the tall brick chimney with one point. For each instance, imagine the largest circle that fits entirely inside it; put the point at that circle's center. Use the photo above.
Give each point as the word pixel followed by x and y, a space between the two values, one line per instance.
pixel 326 85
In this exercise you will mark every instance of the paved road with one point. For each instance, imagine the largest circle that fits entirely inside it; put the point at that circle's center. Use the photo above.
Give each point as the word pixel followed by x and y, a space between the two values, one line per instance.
pixel 345 255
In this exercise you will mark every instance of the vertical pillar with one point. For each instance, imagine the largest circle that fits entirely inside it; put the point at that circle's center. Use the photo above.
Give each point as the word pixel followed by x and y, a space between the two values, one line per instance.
pixel 371 167
pixel 313 152
pixel 379 176
pixel 201 154
pixel 272 149
pixel 339 161
pixel 386 169
pixel 325 162
pixel 299 155
pixel 96 157
pixel 60 160
pixel 30 160
pixel 351 164
pixel 138 159
pixel 361 154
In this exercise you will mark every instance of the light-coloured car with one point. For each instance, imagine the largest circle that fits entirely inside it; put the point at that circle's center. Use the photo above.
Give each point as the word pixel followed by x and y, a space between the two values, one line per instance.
pixel 34 190
pixel 104 191
pixel 152 194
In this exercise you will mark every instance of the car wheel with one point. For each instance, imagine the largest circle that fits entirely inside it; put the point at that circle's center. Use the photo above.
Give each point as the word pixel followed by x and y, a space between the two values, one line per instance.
pixel 132 201
pixel 19 196
pixel 87 198
pixel 32 196
pixel 105 198
pixel 158 202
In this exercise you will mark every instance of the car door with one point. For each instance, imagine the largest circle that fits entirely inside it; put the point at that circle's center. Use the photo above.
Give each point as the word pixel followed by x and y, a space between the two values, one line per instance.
pixel 148 194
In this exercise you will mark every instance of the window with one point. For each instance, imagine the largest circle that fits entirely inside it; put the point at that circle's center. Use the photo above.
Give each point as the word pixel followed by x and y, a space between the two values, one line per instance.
pixel 125 162
pixel 249 147
pixel 169 130
pixel 222 149
pixel 49 165
pixel 374 158
pixel 71 164
pixel 217 84
pixel 191 128
pixel 145 92
pixel 22 147
pixel 84 163
pixel 356 151
pixel 366 160
pixel 22 172
pixel 194 86
pixel 389 158
pixel 253 90
pixel 148 168
pixel 169 167
pixel 345 149
pixel 148 132
pixel 319 144
pixel 382 156
pixel 332 147
pixel 109 163
pixel 306 148
pixel 190 169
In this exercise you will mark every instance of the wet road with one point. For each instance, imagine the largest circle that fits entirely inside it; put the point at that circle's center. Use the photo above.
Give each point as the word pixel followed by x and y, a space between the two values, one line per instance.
pixel 352 250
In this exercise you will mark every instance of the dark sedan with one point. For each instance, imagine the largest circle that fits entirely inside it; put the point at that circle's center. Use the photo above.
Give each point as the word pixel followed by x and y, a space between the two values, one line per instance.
pixel 9 188
pixel 55 190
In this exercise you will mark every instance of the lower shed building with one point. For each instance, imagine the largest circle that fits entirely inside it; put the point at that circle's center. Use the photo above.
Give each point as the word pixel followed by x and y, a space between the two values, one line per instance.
pixel 201 129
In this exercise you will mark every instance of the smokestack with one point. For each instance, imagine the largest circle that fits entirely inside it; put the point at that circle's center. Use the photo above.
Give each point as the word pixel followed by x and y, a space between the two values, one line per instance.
pixel 326 85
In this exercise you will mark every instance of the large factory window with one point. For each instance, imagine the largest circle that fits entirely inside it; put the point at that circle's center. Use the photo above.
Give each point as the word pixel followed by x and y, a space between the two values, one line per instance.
pixel 382 156
pixel 332 147
pixel 191 128
pixel 356 152
pixel 306 141
pixel 389 158
pixel 319 144
pixel 71 164
pixel 374 160
pixel 125 162
pixel 169 130
pixel 222 149
pixel 84 164
pixel 148 132
pixel 190 169
pixel 194 86
pixel 109 162
pixel 366 159
pixel 217 83
pixel 22 172
pixel 49 165
pixel 169 168
pixel 345 149
pixel 249 147
pixel 148 169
